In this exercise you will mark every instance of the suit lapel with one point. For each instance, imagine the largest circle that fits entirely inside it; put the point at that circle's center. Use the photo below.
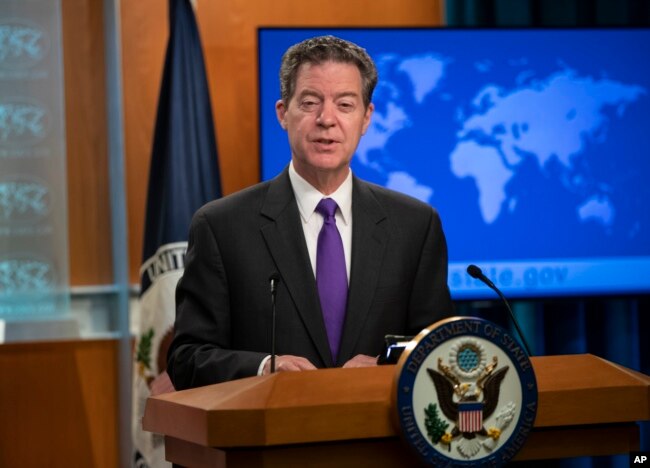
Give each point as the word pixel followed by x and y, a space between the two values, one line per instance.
pixel 285 240
pixel 369 240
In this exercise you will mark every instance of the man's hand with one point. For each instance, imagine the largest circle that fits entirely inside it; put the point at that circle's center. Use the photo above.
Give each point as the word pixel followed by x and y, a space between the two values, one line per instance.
pixel 161 384
pixel 361 360
pixel 288 363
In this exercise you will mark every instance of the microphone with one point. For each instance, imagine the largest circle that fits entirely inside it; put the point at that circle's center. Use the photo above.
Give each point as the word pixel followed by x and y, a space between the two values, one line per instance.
pixel 475 272
pixel 274 279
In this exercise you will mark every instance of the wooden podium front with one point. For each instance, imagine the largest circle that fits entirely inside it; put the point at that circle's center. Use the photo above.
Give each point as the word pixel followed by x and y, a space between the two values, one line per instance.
pixel 343 417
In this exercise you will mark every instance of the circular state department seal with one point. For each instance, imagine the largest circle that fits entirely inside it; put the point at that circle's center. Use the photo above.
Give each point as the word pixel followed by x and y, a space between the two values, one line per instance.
pixel 466 394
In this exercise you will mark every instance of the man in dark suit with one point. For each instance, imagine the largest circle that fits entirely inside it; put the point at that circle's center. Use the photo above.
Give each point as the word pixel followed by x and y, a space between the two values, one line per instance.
pixel 355 261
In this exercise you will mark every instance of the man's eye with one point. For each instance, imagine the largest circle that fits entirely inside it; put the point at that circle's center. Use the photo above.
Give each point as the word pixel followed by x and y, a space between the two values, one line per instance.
pixel 346 106
pixel 309 104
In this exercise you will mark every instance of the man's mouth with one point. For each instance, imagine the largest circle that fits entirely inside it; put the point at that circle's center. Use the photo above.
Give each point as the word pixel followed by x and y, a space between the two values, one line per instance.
pixel 324 141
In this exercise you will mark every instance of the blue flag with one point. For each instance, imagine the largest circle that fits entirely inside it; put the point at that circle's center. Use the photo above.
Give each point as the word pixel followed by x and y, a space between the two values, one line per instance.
pixel 183 176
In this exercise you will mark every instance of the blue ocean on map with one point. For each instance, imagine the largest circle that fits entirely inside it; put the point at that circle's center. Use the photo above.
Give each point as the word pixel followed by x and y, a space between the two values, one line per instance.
pixel 532 144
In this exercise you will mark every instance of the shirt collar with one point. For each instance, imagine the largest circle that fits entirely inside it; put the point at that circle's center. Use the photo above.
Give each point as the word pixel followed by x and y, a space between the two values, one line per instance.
pixel 308 197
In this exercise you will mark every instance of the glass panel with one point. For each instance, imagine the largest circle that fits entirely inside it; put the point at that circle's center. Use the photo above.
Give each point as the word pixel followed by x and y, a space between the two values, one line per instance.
pixel 34 291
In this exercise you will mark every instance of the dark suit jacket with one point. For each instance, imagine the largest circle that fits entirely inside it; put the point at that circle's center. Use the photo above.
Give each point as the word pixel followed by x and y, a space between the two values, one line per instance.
pixel 398 281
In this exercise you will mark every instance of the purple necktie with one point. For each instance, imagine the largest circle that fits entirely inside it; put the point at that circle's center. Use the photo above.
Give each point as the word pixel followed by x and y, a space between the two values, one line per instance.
pixel 331 275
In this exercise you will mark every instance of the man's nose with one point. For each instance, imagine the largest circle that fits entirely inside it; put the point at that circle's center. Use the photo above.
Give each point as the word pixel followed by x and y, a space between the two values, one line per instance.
pixel 326 117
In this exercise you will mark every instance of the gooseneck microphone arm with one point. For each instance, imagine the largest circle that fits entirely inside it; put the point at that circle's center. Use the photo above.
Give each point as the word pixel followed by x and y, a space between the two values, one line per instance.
pixel 274 279
pixel 475 272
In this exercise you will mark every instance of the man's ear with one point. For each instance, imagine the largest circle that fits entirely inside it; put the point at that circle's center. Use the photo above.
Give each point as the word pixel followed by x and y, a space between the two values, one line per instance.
pixel 281 112
pixel 367 118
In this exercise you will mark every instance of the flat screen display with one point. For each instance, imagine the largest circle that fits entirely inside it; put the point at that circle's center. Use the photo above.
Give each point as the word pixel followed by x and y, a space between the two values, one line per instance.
pixel 533 145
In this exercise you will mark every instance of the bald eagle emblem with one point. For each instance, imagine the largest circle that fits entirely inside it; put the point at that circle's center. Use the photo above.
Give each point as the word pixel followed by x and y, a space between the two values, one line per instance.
pixel 468 394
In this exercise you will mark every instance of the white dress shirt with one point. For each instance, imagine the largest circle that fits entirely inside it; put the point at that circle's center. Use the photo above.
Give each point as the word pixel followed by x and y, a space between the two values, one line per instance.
pixel 308 198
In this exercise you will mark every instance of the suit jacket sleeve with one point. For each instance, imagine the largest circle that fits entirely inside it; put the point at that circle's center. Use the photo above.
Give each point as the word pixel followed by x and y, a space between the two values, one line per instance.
pixel 430 300
pixel 201 353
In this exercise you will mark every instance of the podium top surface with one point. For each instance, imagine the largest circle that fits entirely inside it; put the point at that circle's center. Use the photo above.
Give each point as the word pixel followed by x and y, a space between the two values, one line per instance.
pixel 340 404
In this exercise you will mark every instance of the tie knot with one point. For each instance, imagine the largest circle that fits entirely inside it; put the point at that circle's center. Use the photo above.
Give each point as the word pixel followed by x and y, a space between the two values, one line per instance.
pixel 327 207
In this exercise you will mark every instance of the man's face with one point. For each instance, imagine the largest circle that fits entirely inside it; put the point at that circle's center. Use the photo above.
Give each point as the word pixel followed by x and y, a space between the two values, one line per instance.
pixel 325 118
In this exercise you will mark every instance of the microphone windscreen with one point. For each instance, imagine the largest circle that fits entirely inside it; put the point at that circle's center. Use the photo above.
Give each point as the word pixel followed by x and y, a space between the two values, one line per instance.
pixel 474 271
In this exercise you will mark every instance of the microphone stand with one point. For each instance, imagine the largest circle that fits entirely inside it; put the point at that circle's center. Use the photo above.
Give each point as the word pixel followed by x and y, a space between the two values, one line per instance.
pixel 274 282
pixel 475 272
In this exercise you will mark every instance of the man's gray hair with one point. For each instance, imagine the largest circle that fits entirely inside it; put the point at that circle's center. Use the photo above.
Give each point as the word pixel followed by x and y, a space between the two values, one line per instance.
pixel 322 49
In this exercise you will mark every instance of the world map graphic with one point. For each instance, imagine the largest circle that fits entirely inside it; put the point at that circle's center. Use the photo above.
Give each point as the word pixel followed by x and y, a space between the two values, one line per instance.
pixel 551 120
pixel 531 144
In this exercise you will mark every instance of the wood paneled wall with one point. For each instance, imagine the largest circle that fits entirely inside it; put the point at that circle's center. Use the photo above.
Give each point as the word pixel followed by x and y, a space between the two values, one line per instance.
pixel 87 154
pixel 229 34
pixel 59 403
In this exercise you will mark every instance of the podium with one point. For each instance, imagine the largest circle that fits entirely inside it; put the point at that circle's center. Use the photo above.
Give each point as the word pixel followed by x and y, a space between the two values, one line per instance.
pixel 343 417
